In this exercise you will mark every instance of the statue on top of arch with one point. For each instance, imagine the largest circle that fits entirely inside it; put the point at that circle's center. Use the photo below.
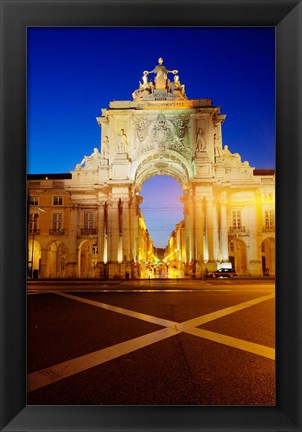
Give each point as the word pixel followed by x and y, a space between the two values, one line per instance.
pixel 230 159
pixel 91 162
pixel 160 84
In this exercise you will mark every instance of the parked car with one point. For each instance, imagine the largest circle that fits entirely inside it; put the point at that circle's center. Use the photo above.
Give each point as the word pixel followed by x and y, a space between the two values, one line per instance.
pixel 222 273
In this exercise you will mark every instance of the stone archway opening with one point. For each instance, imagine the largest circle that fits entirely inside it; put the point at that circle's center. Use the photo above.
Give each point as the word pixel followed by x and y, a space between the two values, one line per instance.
pixel 56 259
pixel 87 259
pixel 268 256
pixel 157 170
pixel 162 210
pixel 34 258
pixel 238 255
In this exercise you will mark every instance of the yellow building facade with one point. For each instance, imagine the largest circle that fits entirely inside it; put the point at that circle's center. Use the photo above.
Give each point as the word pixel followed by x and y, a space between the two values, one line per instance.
pixel 245 217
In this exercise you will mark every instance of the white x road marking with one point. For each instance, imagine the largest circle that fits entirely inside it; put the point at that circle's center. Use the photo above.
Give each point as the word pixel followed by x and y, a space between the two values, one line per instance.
pixel 68 368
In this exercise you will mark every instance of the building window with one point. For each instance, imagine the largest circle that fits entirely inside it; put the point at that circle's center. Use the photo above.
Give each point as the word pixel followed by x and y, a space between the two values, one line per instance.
pixel 34 201
pixel 88 224
pixel 88 220
pixel 57 221
pixel 268 197
pixel 58 200
pixel 269 218
pixel 236 219
pixel 33 223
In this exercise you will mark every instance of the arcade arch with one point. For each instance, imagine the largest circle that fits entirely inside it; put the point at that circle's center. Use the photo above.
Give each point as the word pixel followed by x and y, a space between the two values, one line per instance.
pixel 238 255
pixel 87 258
pixel 56 259
pixel 268 256
pixel 34 258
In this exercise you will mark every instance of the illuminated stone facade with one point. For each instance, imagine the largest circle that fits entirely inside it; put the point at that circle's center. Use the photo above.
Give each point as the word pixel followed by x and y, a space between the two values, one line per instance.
pixel 229 214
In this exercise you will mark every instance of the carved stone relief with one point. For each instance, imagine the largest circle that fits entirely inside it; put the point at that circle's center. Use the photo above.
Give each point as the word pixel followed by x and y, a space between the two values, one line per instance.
pixel 162 133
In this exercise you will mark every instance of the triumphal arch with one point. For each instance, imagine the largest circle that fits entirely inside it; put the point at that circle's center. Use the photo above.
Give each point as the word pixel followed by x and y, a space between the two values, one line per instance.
pixel 162 132
pixel 92 225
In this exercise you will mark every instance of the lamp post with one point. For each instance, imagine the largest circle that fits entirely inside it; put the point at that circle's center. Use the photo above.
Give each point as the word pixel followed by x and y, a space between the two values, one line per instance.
pixel 32 254
pixel 33 231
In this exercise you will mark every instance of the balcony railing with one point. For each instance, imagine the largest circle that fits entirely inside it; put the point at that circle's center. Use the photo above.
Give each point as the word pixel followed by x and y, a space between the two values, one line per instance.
pixel 34 231
pixel 58 184
pixel 237 230
pixel 87 231
pixel 270 228
pixel 56 231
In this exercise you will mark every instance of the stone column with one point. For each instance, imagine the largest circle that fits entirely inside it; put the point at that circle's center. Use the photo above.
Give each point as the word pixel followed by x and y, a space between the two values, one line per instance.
pixel 101 234
pixel 199 235
pixel 126 239
pixel 224 246
pixel 106 234
pixel 215 232
pixel 132 250
pixel 205 232
pixel 113 238
pixel 254 251
pixel 126 231
pixel 212 232
pixel 133 230
pixel 191 212
pixel 120 254
pixel 189 229
pixel 134 234
pixel 72 263
pixel 186 232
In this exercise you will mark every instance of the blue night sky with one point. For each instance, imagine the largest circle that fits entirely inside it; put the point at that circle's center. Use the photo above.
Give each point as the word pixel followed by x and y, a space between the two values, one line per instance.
pixel 74 72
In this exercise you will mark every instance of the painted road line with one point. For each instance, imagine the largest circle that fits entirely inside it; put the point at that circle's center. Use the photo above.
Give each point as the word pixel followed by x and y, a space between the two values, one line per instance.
pixel 195 322
pixel 243 345
pixel 68 368
pixel 133 314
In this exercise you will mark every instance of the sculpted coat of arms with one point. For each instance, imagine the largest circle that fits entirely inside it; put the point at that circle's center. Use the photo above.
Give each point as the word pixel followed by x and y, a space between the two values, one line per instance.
pixel 162 133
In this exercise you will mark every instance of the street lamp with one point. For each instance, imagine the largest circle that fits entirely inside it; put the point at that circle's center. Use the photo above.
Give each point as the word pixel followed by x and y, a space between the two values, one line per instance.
pixel 33 231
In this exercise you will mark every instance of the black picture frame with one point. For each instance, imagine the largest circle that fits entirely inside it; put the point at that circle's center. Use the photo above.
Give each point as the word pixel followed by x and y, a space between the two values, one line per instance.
pixel 16 16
